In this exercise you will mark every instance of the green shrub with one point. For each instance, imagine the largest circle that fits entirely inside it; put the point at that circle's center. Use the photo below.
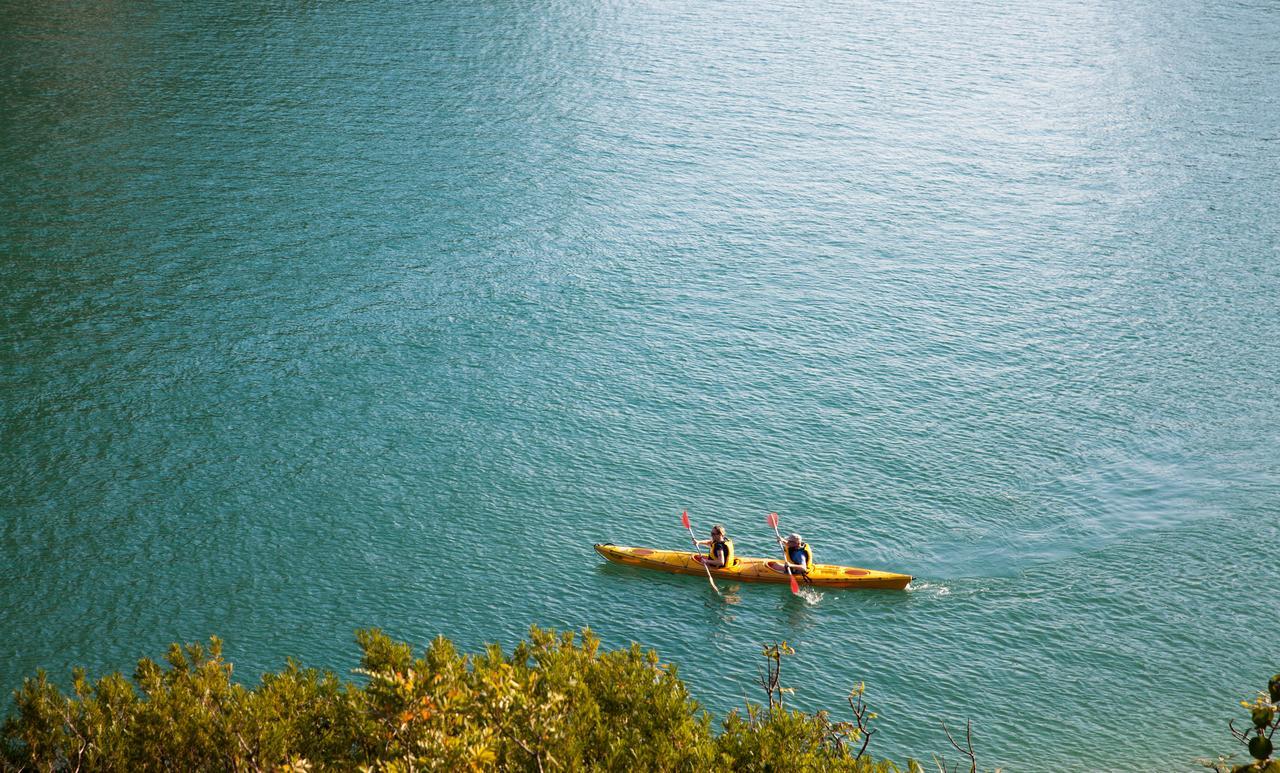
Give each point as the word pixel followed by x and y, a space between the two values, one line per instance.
pixel 555 702
pixel 1264 720
pixel 781 739
pixel 188 716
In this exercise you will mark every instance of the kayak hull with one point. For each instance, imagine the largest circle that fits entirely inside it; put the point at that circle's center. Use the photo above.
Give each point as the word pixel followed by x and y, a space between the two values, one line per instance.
pixel 752 569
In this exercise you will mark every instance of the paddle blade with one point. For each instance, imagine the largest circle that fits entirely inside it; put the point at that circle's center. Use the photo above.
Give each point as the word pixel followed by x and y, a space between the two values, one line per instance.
pixel 795 586
pixel 684 518
pixel 772 519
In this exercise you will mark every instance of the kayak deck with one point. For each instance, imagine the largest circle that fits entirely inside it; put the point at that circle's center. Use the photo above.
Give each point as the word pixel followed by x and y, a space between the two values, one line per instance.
pixel 752 569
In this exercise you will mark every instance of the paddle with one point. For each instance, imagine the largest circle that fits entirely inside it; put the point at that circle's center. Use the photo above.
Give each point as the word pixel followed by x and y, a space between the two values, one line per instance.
pixel 773 521
pixel 684 518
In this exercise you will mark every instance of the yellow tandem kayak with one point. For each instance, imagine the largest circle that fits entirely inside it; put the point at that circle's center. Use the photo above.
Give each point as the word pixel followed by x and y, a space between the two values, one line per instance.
pixel 752 569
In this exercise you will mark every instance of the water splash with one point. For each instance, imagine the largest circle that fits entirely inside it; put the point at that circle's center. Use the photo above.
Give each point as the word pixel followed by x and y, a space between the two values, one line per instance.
pixel 932 589
pixel 810 596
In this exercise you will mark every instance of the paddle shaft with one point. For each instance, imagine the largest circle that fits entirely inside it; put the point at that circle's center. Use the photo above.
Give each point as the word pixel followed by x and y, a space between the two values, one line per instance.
pixel 786 557
pixel 685 518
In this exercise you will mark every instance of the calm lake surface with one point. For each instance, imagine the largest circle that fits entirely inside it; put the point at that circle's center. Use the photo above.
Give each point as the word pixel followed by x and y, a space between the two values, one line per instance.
pixel 317 316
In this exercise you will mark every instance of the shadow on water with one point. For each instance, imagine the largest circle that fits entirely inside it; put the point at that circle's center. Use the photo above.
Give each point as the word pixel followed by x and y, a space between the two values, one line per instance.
pixel 646 578
pixel 801 611
pixel 722 609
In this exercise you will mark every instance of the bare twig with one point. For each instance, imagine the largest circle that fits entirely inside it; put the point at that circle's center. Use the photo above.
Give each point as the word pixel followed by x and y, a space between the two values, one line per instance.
pixel 967 749
pixel 861 716
pixel 65 710
pixel 537 756
pixel 771 677
pixel 250 757
pixel 1242 737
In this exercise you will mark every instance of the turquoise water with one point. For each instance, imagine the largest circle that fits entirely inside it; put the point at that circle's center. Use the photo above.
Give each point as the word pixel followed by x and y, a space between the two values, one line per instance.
pixel 318 316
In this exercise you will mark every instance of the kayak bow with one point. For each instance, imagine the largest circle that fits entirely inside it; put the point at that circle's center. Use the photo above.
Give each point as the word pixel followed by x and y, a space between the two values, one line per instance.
pixel 751 569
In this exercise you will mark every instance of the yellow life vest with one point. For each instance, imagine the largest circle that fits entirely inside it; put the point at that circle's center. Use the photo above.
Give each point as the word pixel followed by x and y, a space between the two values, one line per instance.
pixel 808 556
pixel 729 558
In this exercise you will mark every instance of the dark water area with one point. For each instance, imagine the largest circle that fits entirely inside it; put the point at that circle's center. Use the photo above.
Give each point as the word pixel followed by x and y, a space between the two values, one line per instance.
pixel 319 316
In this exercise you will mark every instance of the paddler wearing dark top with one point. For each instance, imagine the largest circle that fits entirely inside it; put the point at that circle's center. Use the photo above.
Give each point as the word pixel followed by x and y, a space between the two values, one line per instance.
pixel 799 556
pixel 721 549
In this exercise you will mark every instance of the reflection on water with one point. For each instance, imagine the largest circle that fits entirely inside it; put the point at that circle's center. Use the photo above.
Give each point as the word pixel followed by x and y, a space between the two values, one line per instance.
pixel 800 614
pixel 317 316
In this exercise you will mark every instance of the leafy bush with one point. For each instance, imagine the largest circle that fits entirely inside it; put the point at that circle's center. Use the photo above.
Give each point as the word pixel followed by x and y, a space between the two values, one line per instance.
pixel 782 739
pixel 1264 720
pixel 556 702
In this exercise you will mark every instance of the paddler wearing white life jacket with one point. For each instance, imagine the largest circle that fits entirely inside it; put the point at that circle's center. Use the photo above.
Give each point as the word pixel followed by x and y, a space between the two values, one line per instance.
pixel 799 556
pixel 721 549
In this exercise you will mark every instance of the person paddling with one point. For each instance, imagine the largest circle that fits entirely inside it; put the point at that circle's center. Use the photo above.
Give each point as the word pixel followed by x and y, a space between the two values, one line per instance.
pixel 721 549
pixel 798 555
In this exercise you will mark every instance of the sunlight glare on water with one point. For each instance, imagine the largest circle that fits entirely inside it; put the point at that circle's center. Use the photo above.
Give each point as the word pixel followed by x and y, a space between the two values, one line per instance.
pixel 325 316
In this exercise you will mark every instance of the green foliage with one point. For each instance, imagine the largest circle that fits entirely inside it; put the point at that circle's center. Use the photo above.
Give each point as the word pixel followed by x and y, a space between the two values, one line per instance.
pixel 556 702
pixel 782 739
pixel 186 716
pixel 775 738
pixel 1264 718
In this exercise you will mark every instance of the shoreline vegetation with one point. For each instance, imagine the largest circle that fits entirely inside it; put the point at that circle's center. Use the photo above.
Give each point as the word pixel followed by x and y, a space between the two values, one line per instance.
pixel 556 701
